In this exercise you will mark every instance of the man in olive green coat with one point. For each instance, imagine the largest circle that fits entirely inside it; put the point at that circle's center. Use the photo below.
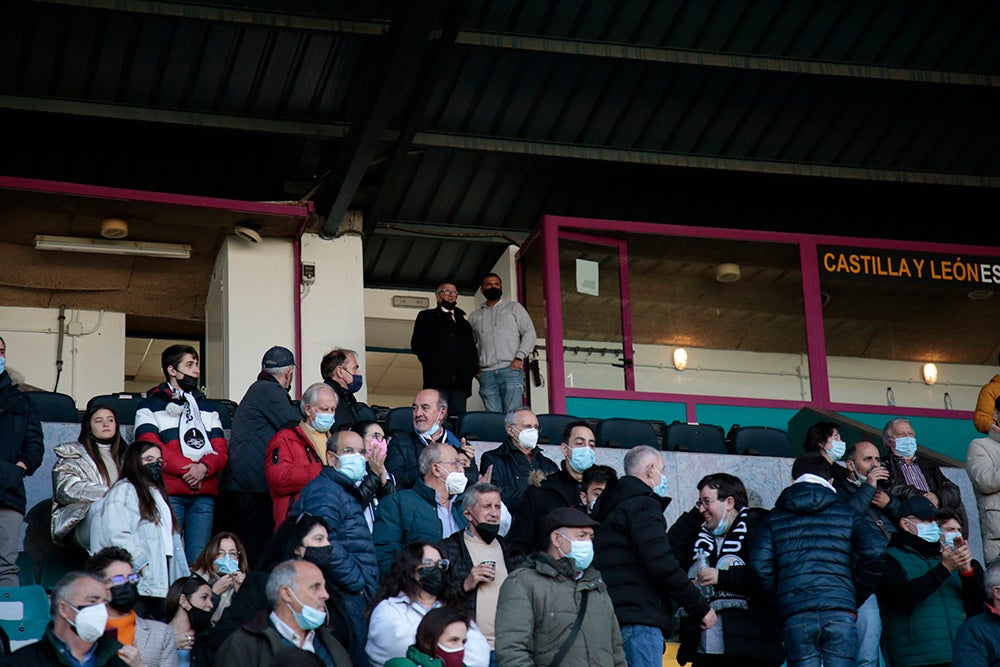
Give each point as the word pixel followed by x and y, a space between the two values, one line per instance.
pixel 540 603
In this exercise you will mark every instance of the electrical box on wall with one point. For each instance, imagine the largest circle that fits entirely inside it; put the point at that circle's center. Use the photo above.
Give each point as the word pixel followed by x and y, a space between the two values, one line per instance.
pixel 400 301
pixel 308 273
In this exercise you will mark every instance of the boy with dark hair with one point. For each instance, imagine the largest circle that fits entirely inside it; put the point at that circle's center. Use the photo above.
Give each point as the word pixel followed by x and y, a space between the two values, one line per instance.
pixel 817 557
pixel 176 416
pixel 595 479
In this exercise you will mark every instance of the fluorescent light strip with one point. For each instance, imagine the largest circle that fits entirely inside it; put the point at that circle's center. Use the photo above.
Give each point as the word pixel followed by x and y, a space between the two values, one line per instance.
pixel 104 247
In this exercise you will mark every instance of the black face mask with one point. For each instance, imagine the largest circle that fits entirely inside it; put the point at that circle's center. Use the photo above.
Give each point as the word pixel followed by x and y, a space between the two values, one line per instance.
pixel 200 619
pixel 493 293
pixel 432 579
pixel 319 556
pixel 488 531
pixel 187 383
pixel 447 305
pixel 155 471
pixel 123 597
pixel 102 441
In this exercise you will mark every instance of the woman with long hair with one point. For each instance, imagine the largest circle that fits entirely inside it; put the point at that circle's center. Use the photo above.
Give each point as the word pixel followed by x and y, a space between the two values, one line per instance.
pixel 223 564
pixel 189 613
pixel 83 473
pixel 414 585
pixel 136 516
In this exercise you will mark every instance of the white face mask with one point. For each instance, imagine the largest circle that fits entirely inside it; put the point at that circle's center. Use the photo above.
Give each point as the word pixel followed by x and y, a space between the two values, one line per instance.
pixel 528 438
pixel 90 621
pixel 455 483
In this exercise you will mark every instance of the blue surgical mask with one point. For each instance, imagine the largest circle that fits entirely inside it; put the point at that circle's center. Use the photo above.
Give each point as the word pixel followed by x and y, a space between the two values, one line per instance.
pixel 836 450
pixel 723 525
pixel 906 446
pixel 661 488
pixel 226 564
pixel 3 365
pixel 581 458
pixel 581 552
pixel 309 618
pixel 323 421
pixel 353 466
pixel 354 386
pixel 433 429
pixel 929 532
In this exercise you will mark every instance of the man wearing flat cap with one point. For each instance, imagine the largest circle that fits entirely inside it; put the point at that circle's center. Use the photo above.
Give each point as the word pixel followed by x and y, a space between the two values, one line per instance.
pixel 555 610
pixel 264 410
pixel 929 585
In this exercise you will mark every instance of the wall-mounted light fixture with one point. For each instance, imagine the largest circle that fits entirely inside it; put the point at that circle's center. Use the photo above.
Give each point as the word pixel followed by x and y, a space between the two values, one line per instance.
pixel 728 272
pixel 102 247
pixel 680 359
pixel 930 373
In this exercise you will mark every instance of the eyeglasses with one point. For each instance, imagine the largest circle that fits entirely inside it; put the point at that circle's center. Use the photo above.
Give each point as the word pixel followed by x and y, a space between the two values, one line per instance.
pixel 377 437
pixel 440 564
pixel 448 292
pixel 233 552
pixel 456 462
pixel 703 503
pixel 120 579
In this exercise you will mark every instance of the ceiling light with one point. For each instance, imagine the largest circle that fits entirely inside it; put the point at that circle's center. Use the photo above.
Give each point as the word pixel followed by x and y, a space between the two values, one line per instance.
pixel 114 228
pixel 247 232
pixel 680 359
pixel 728 273
pixel 930 373
pixel 980 294
pixel 101 247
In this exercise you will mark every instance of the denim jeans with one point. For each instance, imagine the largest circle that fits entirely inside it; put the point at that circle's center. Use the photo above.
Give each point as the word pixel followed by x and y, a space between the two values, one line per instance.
pixel 822 638
pixel 643 645
pixel 194 516
pixel 502 390
pixel 869 633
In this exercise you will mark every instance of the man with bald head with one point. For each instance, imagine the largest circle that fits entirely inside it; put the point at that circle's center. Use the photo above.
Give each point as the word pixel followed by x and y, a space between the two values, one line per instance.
pixel 337 497
pixel 297 595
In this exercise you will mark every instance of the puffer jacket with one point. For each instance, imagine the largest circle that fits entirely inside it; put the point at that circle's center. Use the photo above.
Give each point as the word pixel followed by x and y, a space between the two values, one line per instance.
pixel 632 552
pixel 536 611
pixel 20 440
pixel 982 462
pixel 155 423
pixel 263 410
pixel 407 516
pixel 76 485
pixel 559 489
pixel 290 463
pixel 813 549
pixel 332 497
pixel 977 643
pixel 512 469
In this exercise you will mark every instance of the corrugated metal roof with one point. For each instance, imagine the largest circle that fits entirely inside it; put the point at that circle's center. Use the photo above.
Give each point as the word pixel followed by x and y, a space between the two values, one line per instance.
pixel 469 120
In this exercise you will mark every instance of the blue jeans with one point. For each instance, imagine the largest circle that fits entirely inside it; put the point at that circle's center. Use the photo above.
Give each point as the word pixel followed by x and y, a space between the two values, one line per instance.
pixel 502 390
pixel 821 638
pixel 194 516
pixel 643 645
pixel 869 633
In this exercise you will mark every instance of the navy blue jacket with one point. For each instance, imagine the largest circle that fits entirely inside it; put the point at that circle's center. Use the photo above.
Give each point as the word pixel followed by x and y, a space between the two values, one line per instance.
pixel 20 440
pixel 402 458
pixel 977 643
pixel 264 410
pixel 812 550
pixel 511 469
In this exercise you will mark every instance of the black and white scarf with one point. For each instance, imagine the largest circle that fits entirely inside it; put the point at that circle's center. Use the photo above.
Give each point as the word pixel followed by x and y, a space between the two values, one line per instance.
pixel 191 432
pixel 729 554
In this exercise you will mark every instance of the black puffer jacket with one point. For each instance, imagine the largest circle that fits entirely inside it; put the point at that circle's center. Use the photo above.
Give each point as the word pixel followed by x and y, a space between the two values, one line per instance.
pixel 511 470
pixel 632 552
pixel 20 440
pixel 816 553
pixel 559 489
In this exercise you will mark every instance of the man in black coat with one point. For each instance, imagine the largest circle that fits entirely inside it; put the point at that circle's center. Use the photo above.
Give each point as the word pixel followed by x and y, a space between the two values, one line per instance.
pixel 339 368
pixel 264 410
pixel 442 339
pixel 21 449
pixel 632 552
pixel 519 456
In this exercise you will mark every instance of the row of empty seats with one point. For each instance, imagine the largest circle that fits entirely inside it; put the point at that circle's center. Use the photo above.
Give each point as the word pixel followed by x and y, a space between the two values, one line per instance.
pixel 617 432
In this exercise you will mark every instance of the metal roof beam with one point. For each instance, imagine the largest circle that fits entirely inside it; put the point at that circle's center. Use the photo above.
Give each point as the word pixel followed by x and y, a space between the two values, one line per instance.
pixel 654 54
pixel 664 159
pixel 439 232
pixel 230 15
pixel 330 130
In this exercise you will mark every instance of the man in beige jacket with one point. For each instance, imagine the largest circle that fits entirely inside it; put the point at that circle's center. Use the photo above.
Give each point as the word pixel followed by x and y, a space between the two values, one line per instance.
pixel 982 462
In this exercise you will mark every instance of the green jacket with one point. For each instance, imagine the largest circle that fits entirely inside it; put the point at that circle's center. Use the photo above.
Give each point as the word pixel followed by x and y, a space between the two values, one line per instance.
pixel 257 642
pixel 925 635
pixel 409 516
pixel 415 658
pixel 536 611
